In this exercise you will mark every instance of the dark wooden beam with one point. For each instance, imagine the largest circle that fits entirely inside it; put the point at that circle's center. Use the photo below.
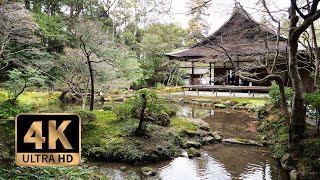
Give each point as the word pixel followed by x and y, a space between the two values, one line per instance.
pixel 210 68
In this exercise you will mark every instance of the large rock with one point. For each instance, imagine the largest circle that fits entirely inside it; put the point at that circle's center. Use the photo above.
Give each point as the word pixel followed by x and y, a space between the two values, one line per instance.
pixel 123 168
pixel 217 136
pixel 148 171
pixel 208 139
pixel 250 107
pixel 162 120
pixel 294 174
pixel 193 144
pixel 286 162
pixel 203 133
pixel 192 152
pixel 200 123
pixel 190 134
pixel 230 103
pixel 184 154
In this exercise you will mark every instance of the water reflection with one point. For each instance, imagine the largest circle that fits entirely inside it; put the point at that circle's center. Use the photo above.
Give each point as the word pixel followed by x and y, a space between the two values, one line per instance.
pixel 219 164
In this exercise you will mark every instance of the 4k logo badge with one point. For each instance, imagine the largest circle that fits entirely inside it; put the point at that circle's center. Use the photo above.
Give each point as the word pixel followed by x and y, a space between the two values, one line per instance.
pixel 48 140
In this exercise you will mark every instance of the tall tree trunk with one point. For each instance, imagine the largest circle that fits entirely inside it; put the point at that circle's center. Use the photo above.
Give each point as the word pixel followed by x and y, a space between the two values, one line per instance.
pixel 297 118
pixel 14 99
pixel 84 99
pixel 92 84
pixel 144 105
pixel 284 107
pixel 63 94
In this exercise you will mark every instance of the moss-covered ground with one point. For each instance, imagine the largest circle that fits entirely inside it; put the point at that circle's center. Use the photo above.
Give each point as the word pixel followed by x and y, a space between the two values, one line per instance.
pixel 33 98
pixel 256 101
pixel 111 139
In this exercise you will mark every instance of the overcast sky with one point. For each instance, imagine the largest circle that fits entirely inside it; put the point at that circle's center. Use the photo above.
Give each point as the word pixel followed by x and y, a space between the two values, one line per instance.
pixel 221 10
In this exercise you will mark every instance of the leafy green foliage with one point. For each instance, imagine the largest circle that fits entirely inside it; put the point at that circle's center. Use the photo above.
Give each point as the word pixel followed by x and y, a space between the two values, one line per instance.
pixel 274 94
pixel 123 111
pixel 154 103
pixel 87 118
pixel 313 100
pixel 159 86
pixel 278 131
pixel 19 80
pixel 161 38
pixel 80 172
pixel 107 107
pixel 7 114
pixel 52 28
pixel 170 112
pixel 7 110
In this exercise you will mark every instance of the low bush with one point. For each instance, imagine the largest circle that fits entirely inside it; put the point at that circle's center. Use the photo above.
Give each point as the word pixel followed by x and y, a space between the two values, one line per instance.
pixel 274 94
pixel 107 108
pixel 123 111
pixel 170 112
pixel 87 118
pixel 159 86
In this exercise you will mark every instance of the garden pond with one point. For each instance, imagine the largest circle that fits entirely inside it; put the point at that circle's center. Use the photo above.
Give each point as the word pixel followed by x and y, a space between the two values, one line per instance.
pixel 217 161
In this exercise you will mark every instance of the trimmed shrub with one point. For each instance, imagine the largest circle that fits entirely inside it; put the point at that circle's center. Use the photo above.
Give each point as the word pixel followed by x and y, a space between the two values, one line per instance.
pixel 123 111
pixel 170 112
pixel 87 118
pixel 107 108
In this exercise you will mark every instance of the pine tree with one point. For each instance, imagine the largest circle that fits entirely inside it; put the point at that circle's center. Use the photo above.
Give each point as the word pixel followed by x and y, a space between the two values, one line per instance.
pixel 197 25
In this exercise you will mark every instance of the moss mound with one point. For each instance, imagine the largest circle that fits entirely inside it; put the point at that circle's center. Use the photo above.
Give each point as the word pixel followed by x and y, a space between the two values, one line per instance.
pixel 115 140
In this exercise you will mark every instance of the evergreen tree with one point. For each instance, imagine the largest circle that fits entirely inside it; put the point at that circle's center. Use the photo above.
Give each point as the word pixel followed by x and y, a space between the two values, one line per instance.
pixel 197 25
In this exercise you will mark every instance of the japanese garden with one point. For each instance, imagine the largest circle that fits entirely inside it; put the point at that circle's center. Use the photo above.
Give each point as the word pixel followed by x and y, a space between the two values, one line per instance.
pixel 166 89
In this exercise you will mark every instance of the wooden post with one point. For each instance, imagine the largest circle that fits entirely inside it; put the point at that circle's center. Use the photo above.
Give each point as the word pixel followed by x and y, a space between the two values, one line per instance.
pixel 192 74
pixel 210 68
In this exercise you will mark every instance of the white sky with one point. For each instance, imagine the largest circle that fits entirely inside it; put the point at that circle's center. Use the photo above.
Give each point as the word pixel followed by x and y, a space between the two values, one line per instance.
pixel 221 10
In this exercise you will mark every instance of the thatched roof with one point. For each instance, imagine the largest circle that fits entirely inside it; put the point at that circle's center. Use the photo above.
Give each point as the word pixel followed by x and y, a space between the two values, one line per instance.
pixel 240 35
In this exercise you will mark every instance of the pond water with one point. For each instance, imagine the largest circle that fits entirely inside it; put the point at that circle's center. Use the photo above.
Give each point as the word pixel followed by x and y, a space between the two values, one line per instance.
pixel 217 161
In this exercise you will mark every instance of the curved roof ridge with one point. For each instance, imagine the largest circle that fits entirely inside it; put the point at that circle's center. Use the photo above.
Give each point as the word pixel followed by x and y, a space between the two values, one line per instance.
pixel 245 14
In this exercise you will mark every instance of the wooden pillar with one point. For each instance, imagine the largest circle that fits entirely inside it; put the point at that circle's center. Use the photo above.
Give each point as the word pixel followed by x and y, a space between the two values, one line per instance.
pixel 192 74
pixel 210 68
pixel 226 80
pixel 192 69
pixel 237 77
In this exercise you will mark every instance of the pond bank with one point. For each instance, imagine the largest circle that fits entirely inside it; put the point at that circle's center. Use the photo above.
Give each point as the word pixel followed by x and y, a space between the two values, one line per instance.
pixel 275 130
pixel 216 161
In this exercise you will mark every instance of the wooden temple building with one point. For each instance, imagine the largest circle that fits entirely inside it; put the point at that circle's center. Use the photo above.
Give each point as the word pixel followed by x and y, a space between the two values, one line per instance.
pixel 248 43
